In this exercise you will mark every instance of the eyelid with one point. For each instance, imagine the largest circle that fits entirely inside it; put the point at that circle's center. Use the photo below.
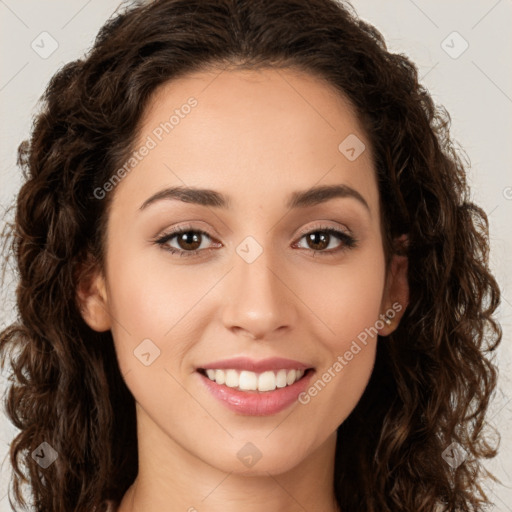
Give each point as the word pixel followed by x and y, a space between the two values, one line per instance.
pixel 322 226
pixel 349 242
pixel 301 233
pixel 174 231
pixel 344 235
pixel 190 226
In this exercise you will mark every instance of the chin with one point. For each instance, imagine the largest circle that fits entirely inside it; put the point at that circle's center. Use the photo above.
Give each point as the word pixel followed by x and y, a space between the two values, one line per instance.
pixel 273 461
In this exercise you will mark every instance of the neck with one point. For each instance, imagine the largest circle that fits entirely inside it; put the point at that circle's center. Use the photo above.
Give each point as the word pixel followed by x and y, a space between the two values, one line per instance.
pixel 173 479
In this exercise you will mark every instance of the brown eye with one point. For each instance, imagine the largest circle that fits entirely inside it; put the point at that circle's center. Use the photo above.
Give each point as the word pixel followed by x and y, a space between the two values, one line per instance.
pixel 189 240
pixel 320 239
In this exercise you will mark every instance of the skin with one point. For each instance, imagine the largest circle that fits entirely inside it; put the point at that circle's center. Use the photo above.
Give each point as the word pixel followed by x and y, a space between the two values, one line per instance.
pixel 256 136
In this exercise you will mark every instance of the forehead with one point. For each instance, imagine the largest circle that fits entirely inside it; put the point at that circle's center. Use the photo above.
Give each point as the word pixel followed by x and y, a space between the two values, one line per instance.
pixel 242 97
pixel 281 127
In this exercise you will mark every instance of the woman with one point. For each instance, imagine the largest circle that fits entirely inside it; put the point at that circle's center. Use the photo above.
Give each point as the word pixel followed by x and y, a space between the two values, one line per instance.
pixel 250 274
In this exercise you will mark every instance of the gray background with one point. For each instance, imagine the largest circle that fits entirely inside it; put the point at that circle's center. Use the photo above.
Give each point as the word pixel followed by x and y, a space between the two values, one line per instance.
pixel 475 86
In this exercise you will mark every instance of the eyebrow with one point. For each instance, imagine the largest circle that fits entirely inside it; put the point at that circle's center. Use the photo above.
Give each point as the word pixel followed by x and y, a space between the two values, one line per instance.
pixel 300 199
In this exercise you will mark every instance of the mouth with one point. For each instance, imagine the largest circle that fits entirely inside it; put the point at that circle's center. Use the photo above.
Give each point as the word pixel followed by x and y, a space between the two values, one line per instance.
pixel 249 381
pixel 255 387
pixel 257 392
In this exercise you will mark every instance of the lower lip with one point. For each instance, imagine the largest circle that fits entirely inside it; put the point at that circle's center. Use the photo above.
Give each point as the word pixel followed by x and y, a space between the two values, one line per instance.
pixel 257 403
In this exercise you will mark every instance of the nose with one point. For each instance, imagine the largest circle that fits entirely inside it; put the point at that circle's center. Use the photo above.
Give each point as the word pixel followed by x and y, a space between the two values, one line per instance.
pixel 259 300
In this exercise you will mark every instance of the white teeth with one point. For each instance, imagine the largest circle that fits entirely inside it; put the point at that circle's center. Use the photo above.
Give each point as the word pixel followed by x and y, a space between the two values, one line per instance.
pixel 266 381
pixel 248 381
pixel 219 376
pixel 251 381
pixel 281 379
pixel 290 378
pixel 232 378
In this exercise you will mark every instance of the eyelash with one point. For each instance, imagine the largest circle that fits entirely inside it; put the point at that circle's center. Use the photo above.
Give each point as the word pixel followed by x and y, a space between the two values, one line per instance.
pixel 349 242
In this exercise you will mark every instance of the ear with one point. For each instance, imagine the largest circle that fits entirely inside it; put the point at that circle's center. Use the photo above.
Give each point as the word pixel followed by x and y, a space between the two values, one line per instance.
pixel 93 300
pixel 396 292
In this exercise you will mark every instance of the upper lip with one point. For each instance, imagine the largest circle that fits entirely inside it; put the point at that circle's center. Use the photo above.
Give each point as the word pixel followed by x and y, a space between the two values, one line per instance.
pixel 257 366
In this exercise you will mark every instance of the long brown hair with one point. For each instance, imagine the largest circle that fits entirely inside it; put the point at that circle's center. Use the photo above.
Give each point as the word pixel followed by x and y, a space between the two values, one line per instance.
pixel 433 377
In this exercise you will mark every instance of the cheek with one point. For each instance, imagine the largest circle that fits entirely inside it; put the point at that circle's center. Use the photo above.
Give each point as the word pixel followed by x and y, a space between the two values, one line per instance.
pixel 155 299
pixel 345 298
pixel 350 304
pixel 150 298
pixel 350 311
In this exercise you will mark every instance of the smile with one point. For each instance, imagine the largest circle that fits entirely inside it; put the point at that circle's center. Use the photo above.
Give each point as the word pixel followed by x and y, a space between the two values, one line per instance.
pixel 251 381
pixel 271 391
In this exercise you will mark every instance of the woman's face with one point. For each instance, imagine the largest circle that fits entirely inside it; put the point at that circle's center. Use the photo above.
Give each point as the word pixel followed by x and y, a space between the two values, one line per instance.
pixel 268 280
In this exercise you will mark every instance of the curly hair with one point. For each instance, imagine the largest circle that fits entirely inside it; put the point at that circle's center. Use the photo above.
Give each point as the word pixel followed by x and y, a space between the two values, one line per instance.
pixel 433 376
